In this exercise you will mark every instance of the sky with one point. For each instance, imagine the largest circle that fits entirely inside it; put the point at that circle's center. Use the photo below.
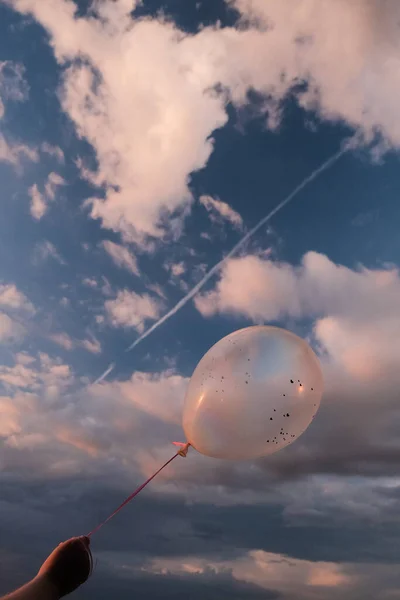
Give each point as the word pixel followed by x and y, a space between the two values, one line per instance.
pixel 141 144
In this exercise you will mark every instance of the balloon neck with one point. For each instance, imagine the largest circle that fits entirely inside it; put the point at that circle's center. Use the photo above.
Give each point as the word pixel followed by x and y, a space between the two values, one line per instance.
pixel 183 448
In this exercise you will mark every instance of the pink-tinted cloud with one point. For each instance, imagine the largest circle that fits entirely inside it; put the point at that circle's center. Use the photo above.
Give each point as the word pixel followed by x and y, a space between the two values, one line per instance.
pixel 129 309
pixel 149 138
pixel 121 256
pixel 221 212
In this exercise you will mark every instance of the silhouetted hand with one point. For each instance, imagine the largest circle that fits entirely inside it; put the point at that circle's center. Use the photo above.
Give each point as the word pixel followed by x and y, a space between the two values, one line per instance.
pixel 69 565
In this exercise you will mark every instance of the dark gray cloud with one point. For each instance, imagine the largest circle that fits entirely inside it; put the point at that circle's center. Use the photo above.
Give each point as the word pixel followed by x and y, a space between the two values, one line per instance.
pixel 37 517
pixel 165 587
pixel 355 433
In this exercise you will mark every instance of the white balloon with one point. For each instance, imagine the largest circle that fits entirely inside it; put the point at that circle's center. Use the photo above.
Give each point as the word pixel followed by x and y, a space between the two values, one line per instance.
pixel 253 393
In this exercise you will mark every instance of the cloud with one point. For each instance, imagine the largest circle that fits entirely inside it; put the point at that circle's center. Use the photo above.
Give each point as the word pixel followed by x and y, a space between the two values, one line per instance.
pixel 157 289
pixel 76 438
pixel 90 282
pixel 158 394
pixel 129 309
pixel 177 269
pixel 13 153
pixel 12 84
pixel 10 413
pixel 65 302
pixel 356 326
pixel 221 211
pixel 63 340
pixel 37 415
pixel 90 344
pixel 301 45
pixel 149 138
pixel 38 204
pixel 278 575
pixel 23 358
pixel 42 371
pixel 101 436
pixel 10 330
pixel 267 290
pixel 121 256
pixel 168 586
pixel 45 250
pixel 53 182
pixel 42 409
pixel 15 310
pixel 54 151
pixel 291 577
pixel 11 297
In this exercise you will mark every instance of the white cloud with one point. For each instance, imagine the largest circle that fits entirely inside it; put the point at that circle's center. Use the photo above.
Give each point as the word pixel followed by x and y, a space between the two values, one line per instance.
pixel 13 153
pixel 63 340
pixel 90 282
pixel 92 345
pixel 353 77
pixel 15 310
pixel 121 256
pixel 178 269
pixel 355 312
pixel 157 289
pixel 148 138
pixel 10 330
pixel 10 411
pixel 32 375
pixel 53 182
pixel 23 358
pixel 144 95
pixel 11 297
pixel 38 204
pixel 32 414
pixel 112 421
pixel 221 211
pixel 54 151
pixel 158 394
pixel 129 309
pixel 365 349
pixel 45 250
pixel 12 84
pixel 264 289
pixel 106 287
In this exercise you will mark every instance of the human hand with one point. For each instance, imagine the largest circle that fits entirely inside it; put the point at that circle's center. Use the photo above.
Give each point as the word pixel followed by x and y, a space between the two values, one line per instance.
pixel 68 566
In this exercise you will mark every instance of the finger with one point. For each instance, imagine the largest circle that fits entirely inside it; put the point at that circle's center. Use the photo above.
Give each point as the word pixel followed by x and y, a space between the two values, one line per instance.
pixel 70 541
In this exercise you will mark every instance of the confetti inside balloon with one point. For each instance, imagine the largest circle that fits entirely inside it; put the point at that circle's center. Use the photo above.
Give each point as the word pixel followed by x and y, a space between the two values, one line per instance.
pixel 253 393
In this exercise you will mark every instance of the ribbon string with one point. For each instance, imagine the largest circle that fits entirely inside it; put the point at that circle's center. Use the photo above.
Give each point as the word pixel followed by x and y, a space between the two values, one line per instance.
pixel 182 452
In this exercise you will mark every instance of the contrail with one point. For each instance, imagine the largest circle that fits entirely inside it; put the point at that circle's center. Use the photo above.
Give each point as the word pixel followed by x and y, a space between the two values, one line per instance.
pixel 105 374
pixel 326 165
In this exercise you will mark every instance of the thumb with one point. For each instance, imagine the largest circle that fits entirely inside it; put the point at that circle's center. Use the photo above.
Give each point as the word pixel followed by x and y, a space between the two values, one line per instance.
pixel 85 539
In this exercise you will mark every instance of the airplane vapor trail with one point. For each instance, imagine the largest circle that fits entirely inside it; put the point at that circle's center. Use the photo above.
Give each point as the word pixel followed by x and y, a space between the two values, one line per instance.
pixel 106 373
pixel 326 165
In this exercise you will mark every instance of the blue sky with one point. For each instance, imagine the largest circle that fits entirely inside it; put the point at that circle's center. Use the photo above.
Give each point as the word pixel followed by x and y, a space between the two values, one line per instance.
pixel 138 144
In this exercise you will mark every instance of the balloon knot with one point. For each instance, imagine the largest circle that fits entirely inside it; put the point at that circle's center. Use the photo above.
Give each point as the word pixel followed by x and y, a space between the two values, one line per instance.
pixel 184 448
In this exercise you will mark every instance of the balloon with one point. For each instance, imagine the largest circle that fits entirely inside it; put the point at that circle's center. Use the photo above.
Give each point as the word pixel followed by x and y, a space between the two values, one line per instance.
pixel 253 393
